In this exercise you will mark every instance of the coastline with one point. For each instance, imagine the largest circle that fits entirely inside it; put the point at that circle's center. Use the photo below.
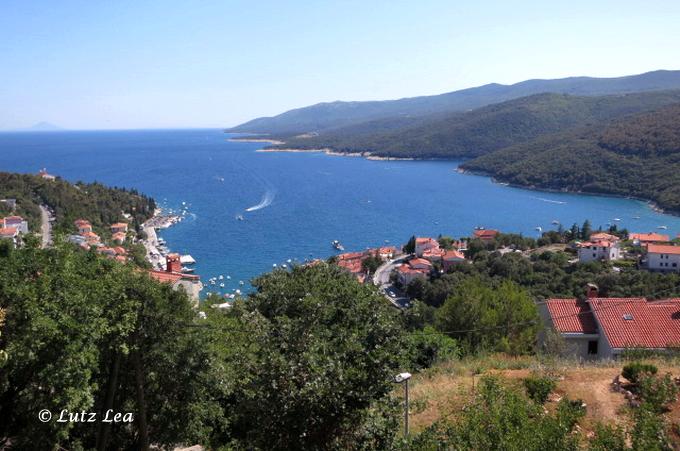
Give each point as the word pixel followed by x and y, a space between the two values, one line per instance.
pixel 154 252
pixel 328 151
pixel 335 153
pixel 256 140
pixel 650 203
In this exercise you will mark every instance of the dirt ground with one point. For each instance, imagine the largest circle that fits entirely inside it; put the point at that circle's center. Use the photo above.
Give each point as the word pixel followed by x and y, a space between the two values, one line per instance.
pixel 435 396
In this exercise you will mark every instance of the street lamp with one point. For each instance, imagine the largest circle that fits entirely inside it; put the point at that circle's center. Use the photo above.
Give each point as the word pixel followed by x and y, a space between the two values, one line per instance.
pixel 399 378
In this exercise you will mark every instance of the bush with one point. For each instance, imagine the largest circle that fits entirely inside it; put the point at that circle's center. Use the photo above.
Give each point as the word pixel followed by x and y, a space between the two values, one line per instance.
pixel 657 392
pixel 636 370
pixel 539 387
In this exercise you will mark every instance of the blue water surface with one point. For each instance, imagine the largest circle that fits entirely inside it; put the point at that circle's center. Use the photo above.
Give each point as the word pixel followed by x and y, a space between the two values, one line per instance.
pixel 300 202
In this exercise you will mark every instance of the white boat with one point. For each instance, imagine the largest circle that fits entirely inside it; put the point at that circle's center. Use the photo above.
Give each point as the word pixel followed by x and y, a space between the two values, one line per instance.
pixel 187 260
pixel 221 285
pixel 662 227
pixel 228 277
pixel 336 244
pixel 636 217
pixel 556 222
pixel 212 282
pixel 240 282
pixel 220 277
pixel 617 219
pixel 185 269
pixel 539 228
pixel 239 217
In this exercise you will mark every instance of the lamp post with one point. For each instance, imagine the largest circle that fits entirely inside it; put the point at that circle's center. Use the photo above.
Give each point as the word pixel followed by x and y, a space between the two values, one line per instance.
pixel 399 378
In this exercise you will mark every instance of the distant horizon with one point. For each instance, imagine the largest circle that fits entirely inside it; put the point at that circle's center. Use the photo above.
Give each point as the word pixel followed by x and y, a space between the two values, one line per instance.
pixel 59 128
pixel 122 65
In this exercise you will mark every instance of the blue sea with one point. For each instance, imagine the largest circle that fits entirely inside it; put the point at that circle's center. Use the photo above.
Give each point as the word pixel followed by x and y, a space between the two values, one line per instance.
pixel 295 204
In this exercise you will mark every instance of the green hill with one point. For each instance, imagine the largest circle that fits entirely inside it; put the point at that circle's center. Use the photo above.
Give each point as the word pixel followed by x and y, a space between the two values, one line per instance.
pixel 635 156
pixel 95 202
pixel 484 130
pixel 324 116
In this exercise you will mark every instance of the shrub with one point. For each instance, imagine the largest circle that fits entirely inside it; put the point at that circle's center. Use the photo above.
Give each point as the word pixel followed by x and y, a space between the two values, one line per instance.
pixel 657 392
pixel 608 438
pixel 636 370
pixel 539 387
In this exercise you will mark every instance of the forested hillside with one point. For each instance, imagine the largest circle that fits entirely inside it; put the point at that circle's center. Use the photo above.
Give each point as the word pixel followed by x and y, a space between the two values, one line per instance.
pixel 324 116
pixel 99 204
pixel 636 156
pixel 474 133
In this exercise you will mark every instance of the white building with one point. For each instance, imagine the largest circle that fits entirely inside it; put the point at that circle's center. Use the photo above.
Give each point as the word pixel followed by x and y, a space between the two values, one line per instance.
pixel 602 246
pixel 663 257
pixel 425 244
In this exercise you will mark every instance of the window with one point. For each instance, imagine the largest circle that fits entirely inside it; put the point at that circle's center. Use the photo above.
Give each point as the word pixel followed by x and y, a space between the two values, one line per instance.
pixel 592 347
pixel 628 317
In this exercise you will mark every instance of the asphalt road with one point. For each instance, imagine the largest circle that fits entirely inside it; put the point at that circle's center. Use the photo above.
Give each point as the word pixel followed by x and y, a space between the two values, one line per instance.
pixel 381 279
pixel 45 226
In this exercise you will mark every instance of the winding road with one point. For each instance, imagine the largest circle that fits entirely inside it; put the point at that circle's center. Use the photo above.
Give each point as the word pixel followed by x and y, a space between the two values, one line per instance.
pixel 46 226
pixel 381 279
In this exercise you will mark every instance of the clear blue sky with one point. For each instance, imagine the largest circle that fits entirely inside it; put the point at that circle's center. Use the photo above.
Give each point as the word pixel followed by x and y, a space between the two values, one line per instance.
pixel 166 63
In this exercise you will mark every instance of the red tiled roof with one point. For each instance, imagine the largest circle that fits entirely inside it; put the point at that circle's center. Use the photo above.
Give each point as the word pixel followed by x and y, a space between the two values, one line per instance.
pixel 433 252
pixel 426 240
pixel 649 237
pixel 600 243
pixel 638 323
pixel 571 316
pixel 486 233
pixel 663 249
pixel 164 276
pixel 8 231
pixel 14 218
pixel 81 221
pixel 419 261
pixel 90 235
pixel 119 225
pixel 453 255
pixel 601 236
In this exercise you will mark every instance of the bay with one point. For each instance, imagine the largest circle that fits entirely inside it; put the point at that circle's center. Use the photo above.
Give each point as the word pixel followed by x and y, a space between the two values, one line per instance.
pixel 295 204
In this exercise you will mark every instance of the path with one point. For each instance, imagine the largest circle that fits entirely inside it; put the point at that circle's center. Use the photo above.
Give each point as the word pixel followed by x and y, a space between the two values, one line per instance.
pixel 46 226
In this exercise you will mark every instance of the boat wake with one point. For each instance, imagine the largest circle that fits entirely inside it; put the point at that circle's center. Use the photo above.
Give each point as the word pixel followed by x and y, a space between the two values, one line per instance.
pixel 266 201
pixel 550 201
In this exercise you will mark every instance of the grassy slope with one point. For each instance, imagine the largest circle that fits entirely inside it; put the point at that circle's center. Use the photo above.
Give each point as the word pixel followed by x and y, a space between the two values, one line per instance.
pixel 443 390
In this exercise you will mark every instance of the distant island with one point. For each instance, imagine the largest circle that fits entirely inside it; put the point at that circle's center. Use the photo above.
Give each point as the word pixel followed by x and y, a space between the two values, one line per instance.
pixel 595 135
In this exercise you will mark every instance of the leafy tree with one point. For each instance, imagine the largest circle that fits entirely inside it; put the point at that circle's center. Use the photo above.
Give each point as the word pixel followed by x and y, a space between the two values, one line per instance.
pixel 481 317
pixel 325 350
pixel 586 230
pixel 371 263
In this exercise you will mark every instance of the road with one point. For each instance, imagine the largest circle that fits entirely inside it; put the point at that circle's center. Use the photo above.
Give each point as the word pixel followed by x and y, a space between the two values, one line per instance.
pixel 46 226
pixel 381 279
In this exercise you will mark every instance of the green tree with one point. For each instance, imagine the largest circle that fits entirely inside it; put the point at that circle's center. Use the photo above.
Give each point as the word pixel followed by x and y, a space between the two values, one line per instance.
pixel 482 317
pixel 586 230
pixel 326 350
pixel 410 246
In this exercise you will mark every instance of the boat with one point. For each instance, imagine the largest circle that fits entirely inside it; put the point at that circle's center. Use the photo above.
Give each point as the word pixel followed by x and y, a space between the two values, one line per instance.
pixel 239 217
pixel 336 244
pixel 556 222
pixel 222 285
pixel 221 277
pixel 212 282
pixel 662 227
pixel 617 219
pixel 186 270
pixel 187 260
pixel 228 277
pixel 636 217
pixel 539 228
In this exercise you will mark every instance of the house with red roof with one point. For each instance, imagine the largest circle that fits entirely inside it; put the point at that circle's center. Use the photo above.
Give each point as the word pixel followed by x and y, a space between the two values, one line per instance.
pixel 16 222
pixel 486 234
pixel 600 247
pixel 451 258
pixel 45 175
pixel 119 237
pixel 119 227
pixel 642 239
pixel 604 328
pixel 83 226
pixel 9 233
pixel 424 244
pixel 190 283
pixel 663 257
pixel 413 269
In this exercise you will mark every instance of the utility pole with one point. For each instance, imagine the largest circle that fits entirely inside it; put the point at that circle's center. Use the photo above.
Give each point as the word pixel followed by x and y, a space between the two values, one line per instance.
pixel 399 378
